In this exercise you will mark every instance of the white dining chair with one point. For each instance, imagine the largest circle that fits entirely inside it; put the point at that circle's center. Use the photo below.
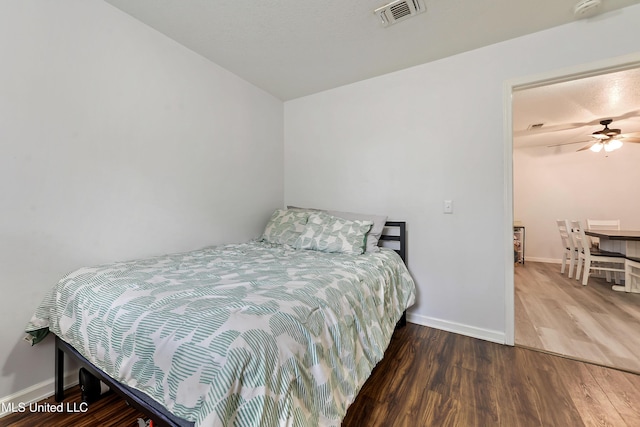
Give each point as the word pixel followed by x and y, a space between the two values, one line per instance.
pixel 569 251
pixel 631 275
pixel 594 259
pixel 602 224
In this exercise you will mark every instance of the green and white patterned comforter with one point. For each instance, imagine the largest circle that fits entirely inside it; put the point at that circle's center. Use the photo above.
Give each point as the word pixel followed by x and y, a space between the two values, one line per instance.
pixel 251 334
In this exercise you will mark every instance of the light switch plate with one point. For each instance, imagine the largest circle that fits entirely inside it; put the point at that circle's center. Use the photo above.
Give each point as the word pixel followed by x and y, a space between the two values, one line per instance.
pixel 448 206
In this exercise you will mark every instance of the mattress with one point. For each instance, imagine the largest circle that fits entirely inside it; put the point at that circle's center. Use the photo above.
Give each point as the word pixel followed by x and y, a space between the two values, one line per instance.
pixel 241 334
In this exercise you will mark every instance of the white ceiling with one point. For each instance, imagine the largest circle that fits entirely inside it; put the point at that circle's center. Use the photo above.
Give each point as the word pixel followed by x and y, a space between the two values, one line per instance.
pixel 292 48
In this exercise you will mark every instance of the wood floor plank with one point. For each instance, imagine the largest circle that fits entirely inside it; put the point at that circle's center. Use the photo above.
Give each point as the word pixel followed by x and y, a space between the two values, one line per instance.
pixel 515 404
pixel 546 389
pixel 628 328
pixel 606 338
pixel 622 391
pixel 436 410
pixel 591 323
pixel 527 333
pixel 589 398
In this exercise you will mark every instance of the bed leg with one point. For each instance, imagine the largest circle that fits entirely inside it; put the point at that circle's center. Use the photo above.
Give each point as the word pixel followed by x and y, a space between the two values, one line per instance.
pixel 403 319
pixel 59 373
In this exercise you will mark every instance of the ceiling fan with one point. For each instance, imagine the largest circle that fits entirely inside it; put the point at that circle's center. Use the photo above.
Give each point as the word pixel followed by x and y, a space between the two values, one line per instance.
pixel 568 126
pixel 606 138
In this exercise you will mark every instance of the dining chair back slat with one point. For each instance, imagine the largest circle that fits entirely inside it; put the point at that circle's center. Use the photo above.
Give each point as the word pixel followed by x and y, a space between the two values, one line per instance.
pixel 569 252
pixel 601 224
pixel 593 260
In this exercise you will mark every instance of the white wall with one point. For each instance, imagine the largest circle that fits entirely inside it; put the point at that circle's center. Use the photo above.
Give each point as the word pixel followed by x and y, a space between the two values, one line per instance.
pixel 402 143
pixel 116 142
pixel 569 185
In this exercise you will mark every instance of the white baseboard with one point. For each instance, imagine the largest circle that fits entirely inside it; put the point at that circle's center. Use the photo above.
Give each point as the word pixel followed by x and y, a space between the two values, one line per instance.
pixel 458 328
pixel 35 393
pixel 549 260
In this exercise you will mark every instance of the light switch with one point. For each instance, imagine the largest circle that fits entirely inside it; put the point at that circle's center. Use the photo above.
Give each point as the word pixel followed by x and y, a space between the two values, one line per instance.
pixel 448 206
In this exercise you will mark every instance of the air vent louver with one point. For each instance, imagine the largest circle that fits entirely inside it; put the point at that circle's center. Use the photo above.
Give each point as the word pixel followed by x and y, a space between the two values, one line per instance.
pixel 399 10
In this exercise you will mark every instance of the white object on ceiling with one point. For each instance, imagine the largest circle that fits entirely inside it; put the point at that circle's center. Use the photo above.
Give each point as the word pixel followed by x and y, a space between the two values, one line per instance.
pixel 586 8
pixel 292 48
pixel 399 10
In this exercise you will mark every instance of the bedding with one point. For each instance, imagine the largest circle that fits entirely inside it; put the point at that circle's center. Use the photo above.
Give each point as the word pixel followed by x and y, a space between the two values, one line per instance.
pixel 242 334
pixel 376 230
pixel 285 226
pixel 373 236
pixel 329 233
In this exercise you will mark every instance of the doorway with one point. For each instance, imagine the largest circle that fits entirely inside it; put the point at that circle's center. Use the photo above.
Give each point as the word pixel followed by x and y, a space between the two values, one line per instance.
pixel 543 273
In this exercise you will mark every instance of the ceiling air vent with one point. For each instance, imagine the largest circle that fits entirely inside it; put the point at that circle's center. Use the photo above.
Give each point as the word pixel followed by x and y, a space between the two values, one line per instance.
pixel 399 10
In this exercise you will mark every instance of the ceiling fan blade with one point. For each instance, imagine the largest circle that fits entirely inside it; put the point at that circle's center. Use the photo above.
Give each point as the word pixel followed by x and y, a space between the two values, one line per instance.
pixel 627 115
pixel 629 135
pixel 567 126
pixel 548 129
pixel 569 143
pixel 586 147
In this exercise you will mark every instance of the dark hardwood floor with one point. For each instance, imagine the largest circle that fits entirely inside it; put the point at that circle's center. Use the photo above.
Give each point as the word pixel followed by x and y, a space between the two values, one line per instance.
pixel 435 378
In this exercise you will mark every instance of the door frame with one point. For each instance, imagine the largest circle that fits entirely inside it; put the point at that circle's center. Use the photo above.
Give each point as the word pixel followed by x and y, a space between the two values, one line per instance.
pixel 606 66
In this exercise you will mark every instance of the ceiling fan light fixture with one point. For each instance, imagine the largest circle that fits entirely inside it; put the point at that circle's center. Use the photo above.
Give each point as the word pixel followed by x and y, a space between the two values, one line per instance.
pixel 596 147
pixel 614 144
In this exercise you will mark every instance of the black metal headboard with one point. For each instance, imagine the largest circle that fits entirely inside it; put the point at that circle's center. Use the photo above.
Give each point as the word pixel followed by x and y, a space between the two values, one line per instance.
pixel 395 231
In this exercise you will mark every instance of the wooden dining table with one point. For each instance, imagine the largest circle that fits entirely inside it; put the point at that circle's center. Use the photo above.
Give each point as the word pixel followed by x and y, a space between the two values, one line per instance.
pixel 626 242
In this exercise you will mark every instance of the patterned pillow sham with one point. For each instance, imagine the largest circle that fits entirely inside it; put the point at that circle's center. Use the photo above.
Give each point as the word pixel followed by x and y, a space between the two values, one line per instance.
pixel 373 236
pixel 327 233
pixel 285 226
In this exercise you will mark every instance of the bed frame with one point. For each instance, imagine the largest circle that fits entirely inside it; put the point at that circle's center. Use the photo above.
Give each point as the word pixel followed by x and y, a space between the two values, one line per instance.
pixel 134 398
pixel 400 237
pixel 394 231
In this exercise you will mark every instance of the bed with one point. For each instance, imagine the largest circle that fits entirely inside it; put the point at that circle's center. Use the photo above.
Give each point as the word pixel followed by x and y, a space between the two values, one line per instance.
pixel 279 331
